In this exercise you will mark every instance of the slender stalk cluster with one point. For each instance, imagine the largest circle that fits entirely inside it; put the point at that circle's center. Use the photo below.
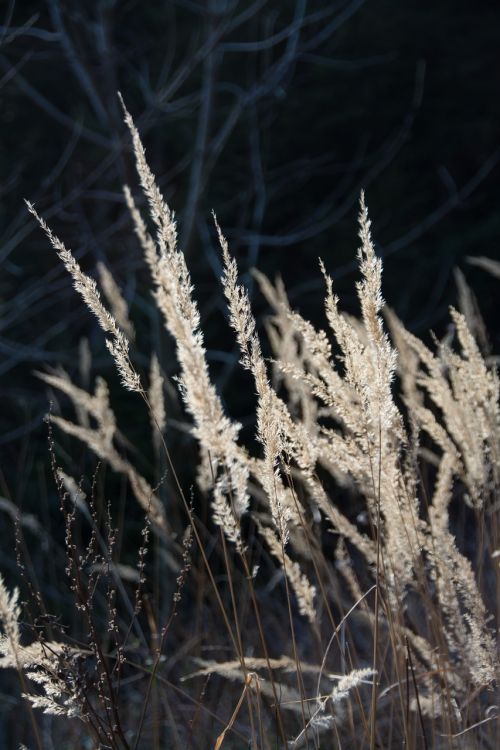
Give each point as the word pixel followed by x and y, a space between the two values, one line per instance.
pixel 401 429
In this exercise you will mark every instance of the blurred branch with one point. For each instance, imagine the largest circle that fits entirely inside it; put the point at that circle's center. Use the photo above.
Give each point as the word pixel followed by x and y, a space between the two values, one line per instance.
pixel 202 135
pixel 58 115
pixel 75 62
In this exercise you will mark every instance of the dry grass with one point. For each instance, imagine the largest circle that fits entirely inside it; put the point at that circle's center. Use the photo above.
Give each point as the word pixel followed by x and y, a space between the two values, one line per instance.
pixel 303 624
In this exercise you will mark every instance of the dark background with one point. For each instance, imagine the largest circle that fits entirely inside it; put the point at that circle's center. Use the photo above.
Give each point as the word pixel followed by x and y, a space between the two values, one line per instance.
pixel 275 115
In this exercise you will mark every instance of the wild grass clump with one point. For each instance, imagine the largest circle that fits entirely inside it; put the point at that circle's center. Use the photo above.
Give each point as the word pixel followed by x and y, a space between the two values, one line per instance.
pixel 280 618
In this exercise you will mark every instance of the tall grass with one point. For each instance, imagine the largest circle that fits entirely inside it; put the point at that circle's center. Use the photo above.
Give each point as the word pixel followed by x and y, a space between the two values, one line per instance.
pixel 333 596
